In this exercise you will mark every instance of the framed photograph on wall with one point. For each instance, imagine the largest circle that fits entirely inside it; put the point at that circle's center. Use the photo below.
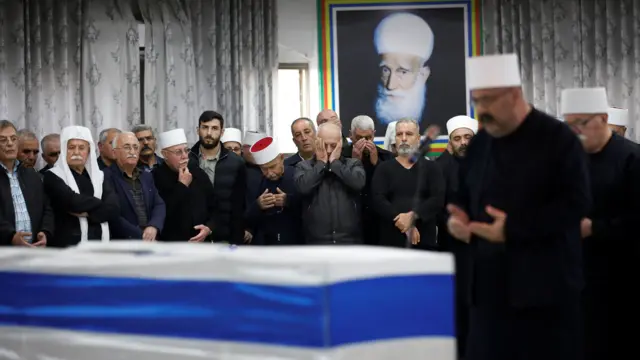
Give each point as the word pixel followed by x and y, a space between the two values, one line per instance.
pixel 397 59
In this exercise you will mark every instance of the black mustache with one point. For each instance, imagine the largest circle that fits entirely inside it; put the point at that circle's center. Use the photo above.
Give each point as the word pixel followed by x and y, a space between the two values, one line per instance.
pixel 146 148
pixel 486 118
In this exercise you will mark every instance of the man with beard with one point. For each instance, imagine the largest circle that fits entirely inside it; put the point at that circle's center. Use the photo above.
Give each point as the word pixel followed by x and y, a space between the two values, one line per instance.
pixel 149 160
pixel 362 148
pixel 330 116
pixel 304 136
pixel 105 139
pixel 232 140
pixel 83 203
pixel 610 229
pixel 50 145
pixel 404 42
pixel 519 205
pixel 28 148
pixel 187 192
pixel 408 195
pixel 142 210
pixel 460 129
pixel 274 210
pixel 618 120
pixel 330 185
pixel 227 173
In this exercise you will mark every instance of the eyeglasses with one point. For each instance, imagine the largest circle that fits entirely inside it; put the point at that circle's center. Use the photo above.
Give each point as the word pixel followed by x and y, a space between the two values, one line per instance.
pixel 129 148
pixel 180 152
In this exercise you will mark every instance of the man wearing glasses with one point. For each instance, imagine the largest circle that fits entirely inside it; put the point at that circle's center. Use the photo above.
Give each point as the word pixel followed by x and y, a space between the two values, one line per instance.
pixel 142 210
pixel 186 191
pixel 50 145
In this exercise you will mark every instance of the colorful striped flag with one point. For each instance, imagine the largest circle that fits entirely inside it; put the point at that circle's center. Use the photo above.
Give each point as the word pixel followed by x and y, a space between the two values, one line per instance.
pixel 438 146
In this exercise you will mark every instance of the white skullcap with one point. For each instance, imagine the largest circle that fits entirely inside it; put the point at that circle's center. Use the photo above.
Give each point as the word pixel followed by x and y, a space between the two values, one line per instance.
pixel 619 117
pixel 231 134
pixel 172 138
pixel 264 150
pixel 390 135
pixel 584 101
pixel 493 72
pixel 250 137
pixel 462 121
pixel 404 33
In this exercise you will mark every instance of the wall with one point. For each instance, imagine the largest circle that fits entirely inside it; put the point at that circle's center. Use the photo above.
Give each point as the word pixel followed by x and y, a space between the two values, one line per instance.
pixel 298 43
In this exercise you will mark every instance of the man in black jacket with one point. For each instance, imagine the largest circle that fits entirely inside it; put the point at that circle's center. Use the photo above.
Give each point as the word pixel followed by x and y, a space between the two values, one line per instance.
pixel 330 185
pixel 26 219
pixel 227 173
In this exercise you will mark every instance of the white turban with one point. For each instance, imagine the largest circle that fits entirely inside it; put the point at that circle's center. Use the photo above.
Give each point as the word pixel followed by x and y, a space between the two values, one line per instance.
pixel 584 101
pixel 61 169
pixel 619 117
pixel 462 121
pixel 231 134
pixel 390 136
pixel 404 33
pixel 493 72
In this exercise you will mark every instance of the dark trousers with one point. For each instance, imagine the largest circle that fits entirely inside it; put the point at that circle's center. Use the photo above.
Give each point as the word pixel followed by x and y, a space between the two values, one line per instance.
pixel 543 333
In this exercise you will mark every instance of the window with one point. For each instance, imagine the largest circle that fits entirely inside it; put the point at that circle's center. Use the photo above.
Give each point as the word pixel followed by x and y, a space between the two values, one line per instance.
pixel 293 101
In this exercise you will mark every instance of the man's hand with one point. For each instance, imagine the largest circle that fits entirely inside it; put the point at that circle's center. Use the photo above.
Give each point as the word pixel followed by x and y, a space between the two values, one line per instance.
pixel 432 132
pixel 41 240
pixel 18 239
pixel 357 149
pixel 281 198
pixel 586 228
pixel 267 200
pixel 321 151
pixel 414 236
pixel 84 214
pixel 247 237
pixel 184 176
pixel 149 233
pixel 204 232
pixel 404 221
pixel 493 232
pixel 337 152
pixel 458 223
pixel 373 152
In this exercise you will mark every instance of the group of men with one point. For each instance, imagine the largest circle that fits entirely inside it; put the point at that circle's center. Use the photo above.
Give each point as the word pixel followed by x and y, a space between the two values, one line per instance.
pixel 539 213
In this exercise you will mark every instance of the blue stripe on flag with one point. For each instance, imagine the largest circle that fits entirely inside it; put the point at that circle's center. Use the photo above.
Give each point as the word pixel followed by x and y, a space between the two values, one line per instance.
pixel 359 310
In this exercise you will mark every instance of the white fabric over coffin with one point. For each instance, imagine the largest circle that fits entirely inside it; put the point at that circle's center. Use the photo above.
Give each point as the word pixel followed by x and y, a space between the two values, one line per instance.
pixel 336 269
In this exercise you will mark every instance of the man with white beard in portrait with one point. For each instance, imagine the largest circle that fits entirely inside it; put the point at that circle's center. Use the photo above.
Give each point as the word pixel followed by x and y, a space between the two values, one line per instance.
pixel 404 42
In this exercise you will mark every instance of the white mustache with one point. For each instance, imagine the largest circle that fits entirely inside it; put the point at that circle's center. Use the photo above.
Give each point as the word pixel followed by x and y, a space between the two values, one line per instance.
pixel 76 157
pixel 132 156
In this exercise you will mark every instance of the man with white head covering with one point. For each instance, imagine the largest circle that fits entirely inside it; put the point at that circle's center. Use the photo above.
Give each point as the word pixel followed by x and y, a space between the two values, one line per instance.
pixel 232 140
pixel 390 138
pixel 610 228
pixel 618 120
pixel 404 42
pixel 186 190
pixel 273 210
pixel 519 204
pixel 461 129
pixel 82 201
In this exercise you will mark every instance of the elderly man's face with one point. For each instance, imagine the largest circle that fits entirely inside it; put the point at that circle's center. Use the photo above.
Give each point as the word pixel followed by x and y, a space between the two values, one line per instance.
pixel 407 138
pixel 304 136
pixel 233 146
pixel 177 156
pixel 127 151
pixel 147 142
pixel 77 152
pixel 274 169
pixel 8 144
pixel 588 127
pixel 28 150
pixel 51 151
pixel 106 150
pixel 331 137
pixel 459 140
pixel 495 109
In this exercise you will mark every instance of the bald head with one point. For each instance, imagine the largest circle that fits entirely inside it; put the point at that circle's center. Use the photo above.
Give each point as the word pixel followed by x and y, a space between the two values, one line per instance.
pixel 328 115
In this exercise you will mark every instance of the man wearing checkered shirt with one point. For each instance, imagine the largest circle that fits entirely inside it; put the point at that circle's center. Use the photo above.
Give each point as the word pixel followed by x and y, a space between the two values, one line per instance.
pixel 26 219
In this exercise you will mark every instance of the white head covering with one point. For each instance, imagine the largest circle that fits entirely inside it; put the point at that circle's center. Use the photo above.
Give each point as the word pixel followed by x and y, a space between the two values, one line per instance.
pixel 62 170
pixel 250 137
pixel 404 33
pixel 265 150
pixel 493 71
pixel 231 134
pixel 584 101
pixel 390 135
pixel 462 121
pixel 619 117
pixel 171 138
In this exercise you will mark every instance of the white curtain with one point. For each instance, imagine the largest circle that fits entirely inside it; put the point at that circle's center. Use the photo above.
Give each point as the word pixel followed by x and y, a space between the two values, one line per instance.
pixel 65 62
pixel 210 55
pixel 570 43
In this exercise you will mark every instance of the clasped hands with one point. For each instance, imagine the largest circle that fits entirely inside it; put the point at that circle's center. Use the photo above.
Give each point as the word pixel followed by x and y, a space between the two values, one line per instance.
pixel 462 228
pixel 404 223
pixel 268 200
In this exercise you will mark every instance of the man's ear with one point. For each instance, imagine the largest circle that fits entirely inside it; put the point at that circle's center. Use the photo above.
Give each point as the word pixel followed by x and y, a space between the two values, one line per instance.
pixel 425 72
pixel 221 132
